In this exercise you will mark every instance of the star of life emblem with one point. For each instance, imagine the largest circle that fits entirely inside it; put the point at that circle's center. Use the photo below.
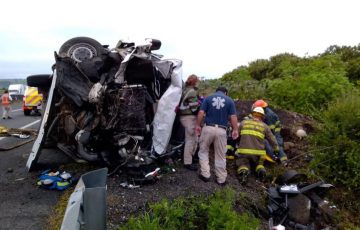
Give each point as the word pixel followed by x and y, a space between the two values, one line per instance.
pixel 218 102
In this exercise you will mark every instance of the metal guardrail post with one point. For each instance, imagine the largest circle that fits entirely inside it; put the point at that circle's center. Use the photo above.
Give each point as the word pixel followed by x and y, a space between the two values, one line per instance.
pixel 86 208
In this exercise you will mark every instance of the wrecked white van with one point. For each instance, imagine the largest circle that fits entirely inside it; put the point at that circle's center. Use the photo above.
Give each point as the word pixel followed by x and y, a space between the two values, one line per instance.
pixel 115 105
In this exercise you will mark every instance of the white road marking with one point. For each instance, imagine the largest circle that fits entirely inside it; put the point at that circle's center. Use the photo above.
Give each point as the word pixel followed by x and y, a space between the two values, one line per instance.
pixel 28 125
pixel 15 110
pixel 25 126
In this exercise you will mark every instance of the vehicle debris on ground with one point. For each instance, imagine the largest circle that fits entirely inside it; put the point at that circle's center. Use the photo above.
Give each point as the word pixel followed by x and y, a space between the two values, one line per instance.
pixel 20 133
pixel 298 204
pixel 54 180
pixel 26 136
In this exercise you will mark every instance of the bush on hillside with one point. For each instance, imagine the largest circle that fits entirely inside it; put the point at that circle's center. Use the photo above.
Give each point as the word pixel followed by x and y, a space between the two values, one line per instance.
pixel 249 89
pixel 341 132
pixel 259 69
pixel 318 83
pixel 283 65
pixel 239 74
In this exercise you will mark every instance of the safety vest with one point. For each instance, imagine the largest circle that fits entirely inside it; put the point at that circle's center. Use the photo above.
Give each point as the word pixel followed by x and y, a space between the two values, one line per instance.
pixel 5 99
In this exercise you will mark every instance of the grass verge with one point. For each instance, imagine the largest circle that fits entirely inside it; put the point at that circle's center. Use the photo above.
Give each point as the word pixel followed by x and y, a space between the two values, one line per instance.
pixel 199 212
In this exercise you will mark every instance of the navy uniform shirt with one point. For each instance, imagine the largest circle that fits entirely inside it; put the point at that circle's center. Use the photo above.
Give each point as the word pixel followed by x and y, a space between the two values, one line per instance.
pixel 218 107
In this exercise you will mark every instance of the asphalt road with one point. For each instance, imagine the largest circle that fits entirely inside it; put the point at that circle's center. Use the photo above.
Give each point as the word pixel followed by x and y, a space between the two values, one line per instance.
pixel 22 204
pixel 19 119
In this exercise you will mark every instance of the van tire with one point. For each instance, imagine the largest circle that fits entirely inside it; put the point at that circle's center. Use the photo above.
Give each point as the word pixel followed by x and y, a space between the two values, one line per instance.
pixel 89 48
pixel 39 80
pixel 27 112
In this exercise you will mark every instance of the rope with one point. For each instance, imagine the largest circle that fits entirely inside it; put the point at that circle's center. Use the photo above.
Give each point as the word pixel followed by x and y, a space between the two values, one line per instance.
pixel 17 145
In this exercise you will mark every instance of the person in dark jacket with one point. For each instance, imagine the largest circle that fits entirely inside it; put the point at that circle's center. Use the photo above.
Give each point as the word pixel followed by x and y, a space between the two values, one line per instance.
pixel 251 147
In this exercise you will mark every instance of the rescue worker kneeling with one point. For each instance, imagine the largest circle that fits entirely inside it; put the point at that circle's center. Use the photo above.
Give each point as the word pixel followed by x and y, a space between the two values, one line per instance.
pixel 273 121
pixel 251 147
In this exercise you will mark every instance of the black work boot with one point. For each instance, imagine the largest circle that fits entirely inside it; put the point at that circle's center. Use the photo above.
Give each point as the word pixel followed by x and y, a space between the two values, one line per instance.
pixel 261 173
pixel 243 176
pixel 205 179
pixel 192 167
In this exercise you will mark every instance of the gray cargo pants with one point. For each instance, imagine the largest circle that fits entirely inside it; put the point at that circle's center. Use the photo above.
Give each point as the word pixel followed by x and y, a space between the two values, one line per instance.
pixel 189 122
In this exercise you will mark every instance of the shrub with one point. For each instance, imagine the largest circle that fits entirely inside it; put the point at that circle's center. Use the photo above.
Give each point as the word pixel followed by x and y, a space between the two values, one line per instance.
pixel 214 212
pixel 222 216
pixel 340 131
pixel 310 91
pixel 249 89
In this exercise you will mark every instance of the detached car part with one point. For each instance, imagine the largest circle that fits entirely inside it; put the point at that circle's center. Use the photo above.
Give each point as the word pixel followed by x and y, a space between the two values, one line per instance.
pixel 112 105
pixel 295 203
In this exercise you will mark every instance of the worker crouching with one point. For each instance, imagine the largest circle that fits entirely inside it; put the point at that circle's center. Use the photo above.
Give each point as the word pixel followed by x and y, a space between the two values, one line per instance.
pixel 273 121
pixel 251 148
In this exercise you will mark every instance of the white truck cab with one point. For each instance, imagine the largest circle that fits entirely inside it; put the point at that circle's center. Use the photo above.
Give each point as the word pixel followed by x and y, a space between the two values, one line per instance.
pixel 16 91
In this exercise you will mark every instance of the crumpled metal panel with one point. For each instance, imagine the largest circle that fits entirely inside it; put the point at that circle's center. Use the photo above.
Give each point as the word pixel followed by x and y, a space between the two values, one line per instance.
pixel 71 81
pixel 165 112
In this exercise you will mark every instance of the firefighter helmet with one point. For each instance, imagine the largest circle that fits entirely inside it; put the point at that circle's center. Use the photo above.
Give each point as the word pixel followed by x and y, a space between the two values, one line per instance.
pixel 259 110
pixel 260 103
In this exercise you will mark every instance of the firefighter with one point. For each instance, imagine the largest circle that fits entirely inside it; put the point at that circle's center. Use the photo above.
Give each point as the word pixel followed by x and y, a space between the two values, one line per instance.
pixel 273 121
pixel 5 102
pixel 251 148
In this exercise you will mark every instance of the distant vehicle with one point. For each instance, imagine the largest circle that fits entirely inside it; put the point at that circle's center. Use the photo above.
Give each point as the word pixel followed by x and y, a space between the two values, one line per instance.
pixel 32 100
pixel 16 91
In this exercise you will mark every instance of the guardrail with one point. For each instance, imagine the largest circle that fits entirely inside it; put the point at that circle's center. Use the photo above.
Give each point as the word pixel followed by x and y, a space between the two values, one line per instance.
pixel 86 208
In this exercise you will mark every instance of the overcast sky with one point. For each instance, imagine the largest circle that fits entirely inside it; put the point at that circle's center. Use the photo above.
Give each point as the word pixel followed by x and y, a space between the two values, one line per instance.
pixel 211 37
